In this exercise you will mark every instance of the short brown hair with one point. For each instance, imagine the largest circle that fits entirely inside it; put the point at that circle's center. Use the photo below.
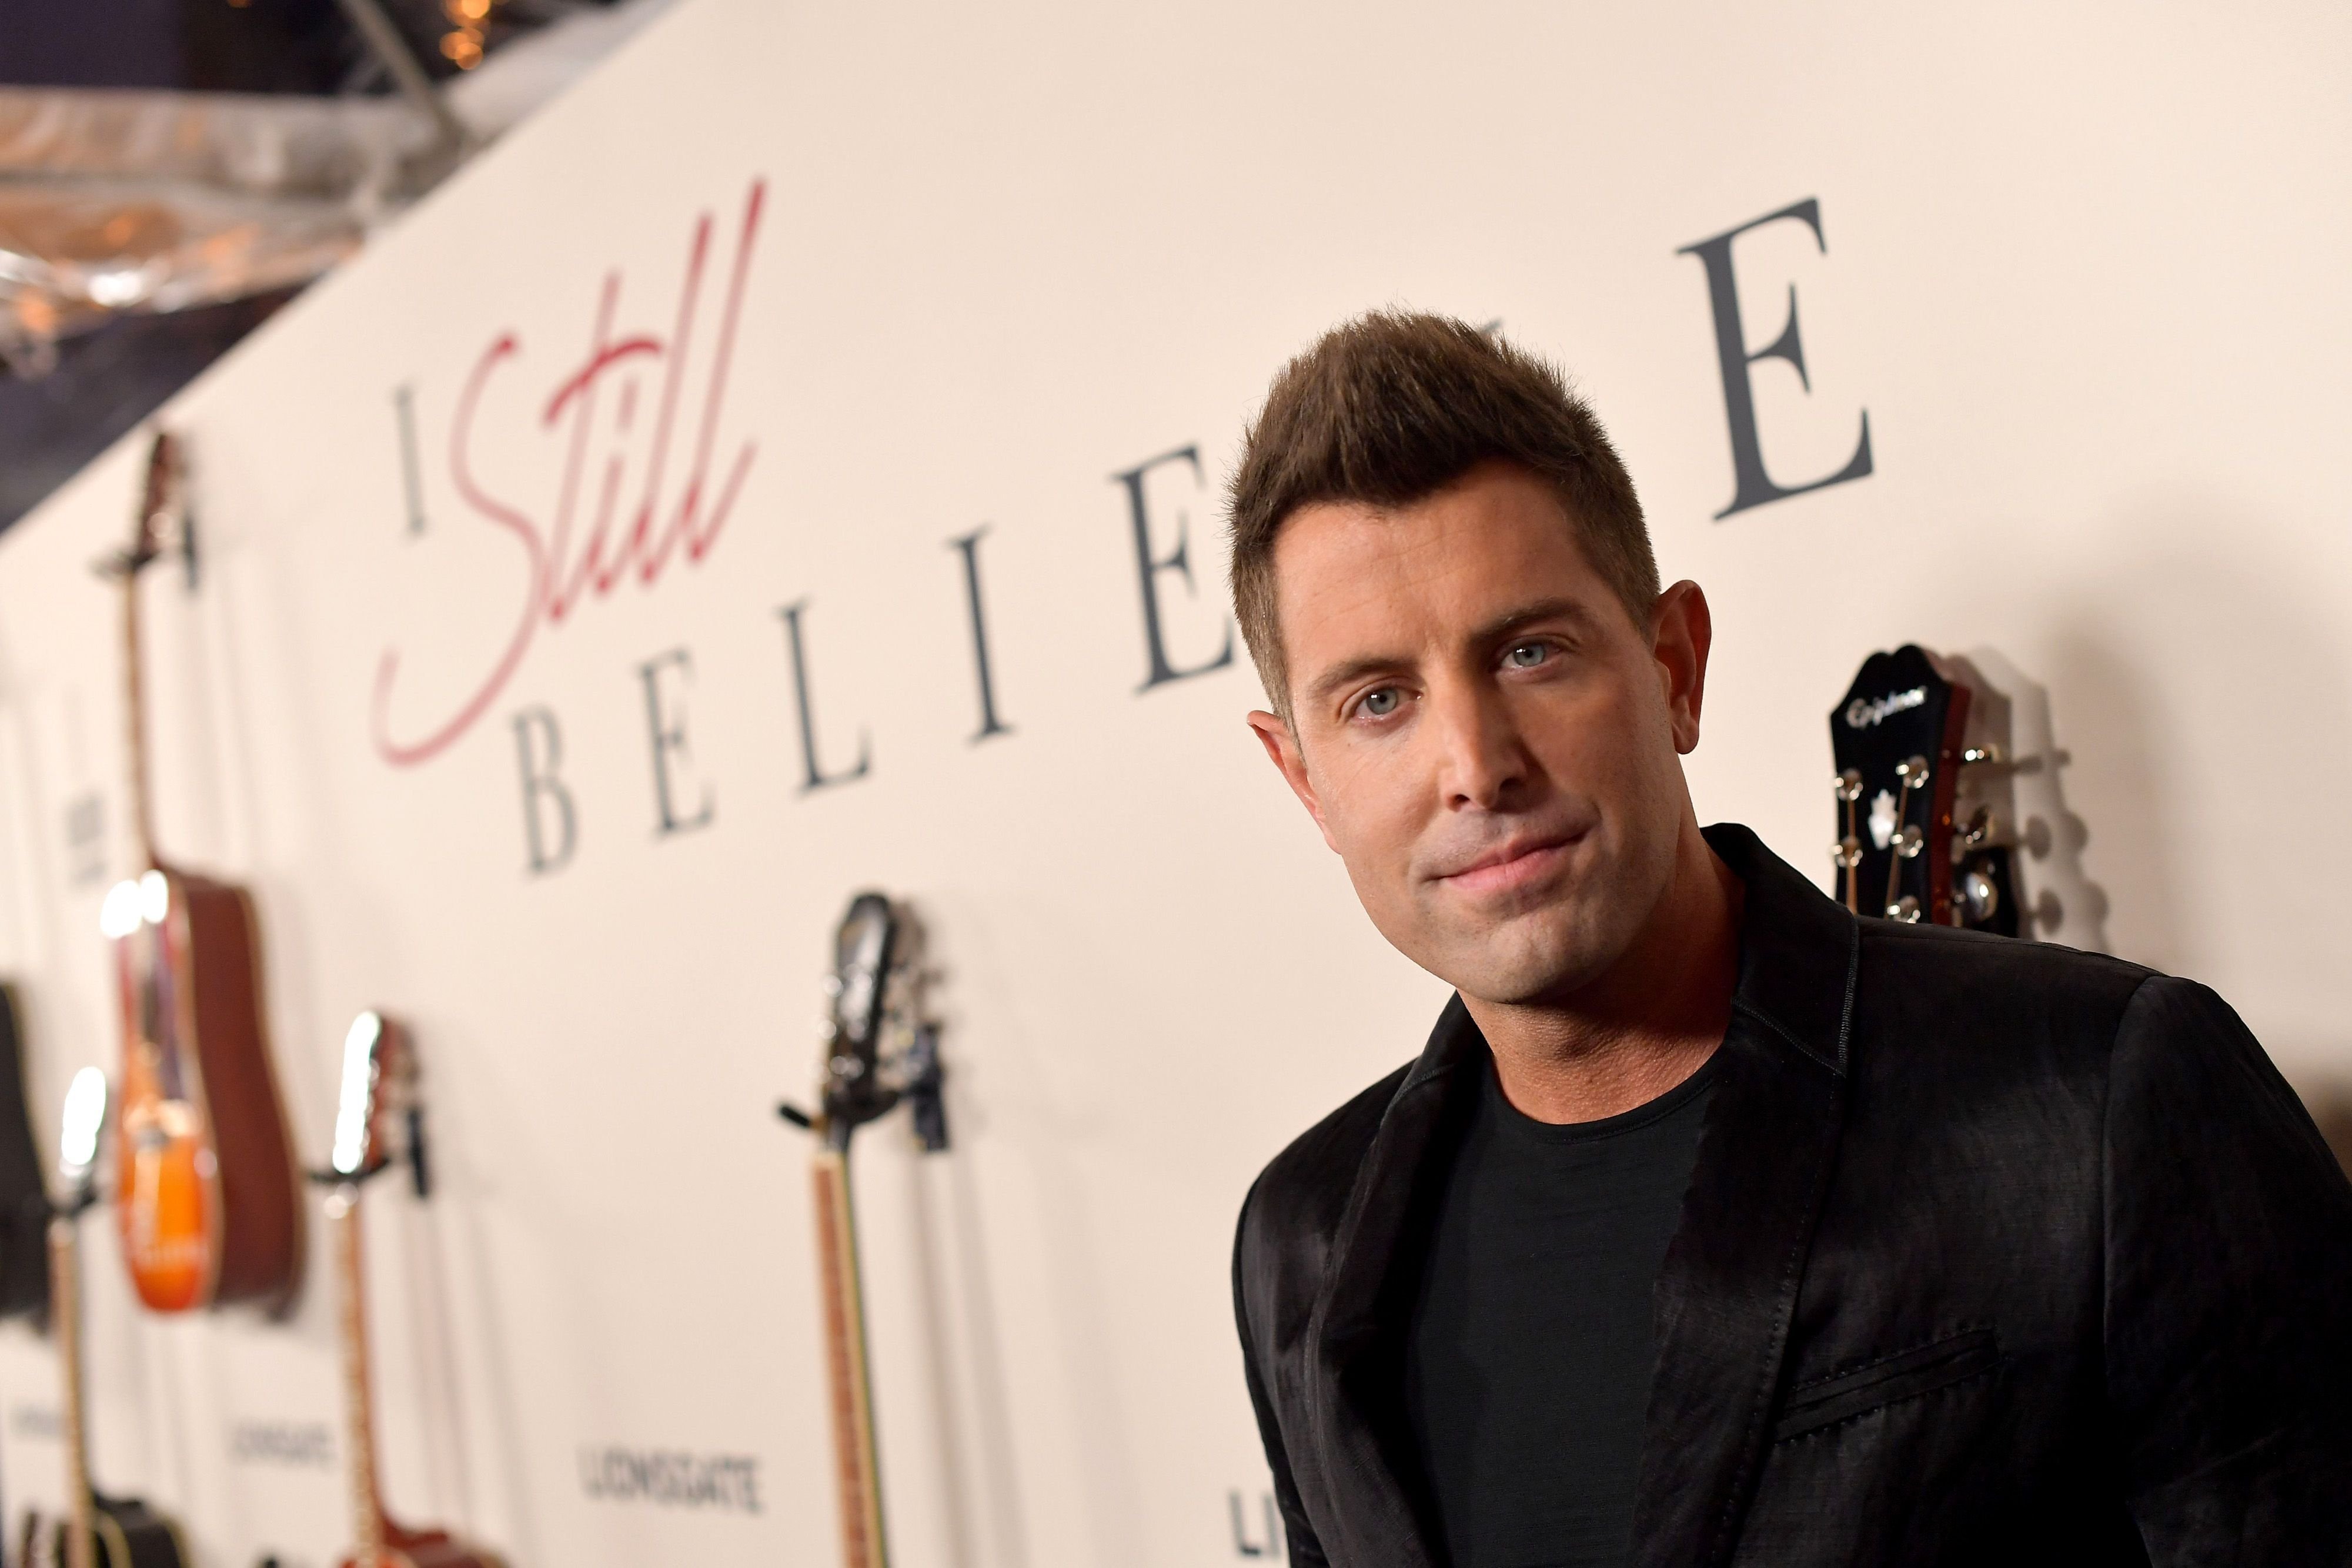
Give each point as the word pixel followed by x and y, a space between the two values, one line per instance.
pixel 1391 408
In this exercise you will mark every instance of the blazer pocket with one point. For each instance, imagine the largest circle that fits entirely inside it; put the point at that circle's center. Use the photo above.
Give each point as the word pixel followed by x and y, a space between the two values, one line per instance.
pixel 1826 1401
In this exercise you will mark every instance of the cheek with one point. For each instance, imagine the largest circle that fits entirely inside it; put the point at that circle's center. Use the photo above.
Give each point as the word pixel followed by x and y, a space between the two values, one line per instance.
pixel 1599 735
pixel 1372 798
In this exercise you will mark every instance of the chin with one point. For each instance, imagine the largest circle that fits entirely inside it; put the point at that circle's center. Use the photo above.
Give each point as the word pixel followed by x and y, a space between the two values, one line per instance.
pixel 1529 957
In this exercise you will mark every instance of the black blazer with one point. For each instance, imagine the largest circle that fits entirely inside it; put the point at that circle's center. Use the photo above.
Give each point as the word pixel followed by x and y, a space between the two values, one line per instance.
pixel 1995 1253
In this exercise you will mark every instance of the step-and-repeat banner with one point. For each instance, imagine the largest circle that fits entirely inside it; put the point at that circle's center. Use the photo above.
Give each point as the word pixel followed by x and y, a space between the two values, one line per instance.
pixel 791 466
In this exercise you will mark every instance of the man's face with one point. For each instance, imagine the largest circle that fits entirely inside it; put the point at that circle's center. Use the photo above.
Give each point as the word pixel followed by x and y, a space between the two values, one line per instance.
pixel 1483 732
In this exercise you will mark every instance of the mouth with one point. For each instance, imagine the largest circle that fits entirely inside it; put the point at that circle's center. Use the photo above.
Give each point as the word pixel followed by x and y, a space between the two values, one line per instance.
pixel 1510 866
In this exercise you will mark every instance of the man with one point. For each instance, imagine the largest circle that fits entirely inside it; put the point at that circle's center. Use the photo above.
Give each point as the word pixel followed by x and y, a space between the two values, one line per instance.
pixel 1716 1225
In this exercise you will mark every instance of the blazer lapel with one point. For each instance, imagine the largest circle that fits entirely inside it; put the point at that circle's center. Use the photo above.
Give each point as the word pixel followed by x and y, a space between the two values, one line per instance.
pixel 1729 1285
pixel 1352 1366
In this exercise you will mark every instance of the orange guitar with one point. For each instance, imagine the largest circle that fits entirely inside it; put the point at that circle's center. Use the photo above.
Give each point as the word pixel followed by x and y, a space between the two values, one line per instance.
pixel 378 1070
pixel 205 1194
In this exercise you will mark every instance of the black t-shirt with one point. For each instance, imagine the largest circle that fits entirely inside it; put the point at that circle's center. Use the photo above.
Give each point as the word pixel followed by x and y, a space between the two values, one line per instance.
pixel 1529 1358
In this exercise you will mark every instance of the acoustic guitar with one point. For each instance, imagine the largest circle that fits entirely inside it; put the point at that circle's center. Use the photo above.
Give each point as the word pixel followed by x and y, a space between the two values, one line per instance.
pixel 96 1531
pixel 878 1052
pixel 1913 844
pixel 206 1198
pixel 379 1077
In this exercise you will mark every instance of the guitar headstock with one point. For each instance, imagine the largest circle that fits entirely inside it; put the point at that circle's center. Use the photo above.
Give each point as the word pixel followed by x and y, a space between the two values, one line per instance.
pixel 878 1048
pixel 85 1117
pixel 378 1073
pixel 1900 740
pixel 161 523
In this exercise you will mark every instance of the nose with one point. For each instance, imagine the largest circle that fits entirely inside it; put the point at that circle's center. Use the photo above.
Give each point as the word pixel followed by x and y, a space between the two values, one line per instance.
pixel 1482 763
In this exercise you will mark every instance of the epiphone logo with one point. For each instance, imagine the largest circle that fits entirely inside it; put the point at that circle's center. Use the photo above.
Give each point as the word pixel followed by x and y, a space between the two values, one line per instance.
pixel 671 1478
pixel 1864 712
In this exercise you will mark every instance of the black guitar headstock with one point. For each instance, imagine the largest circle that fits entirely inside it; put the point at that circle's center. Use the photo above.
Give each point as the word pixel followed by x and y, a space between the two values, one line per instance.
pixel 1904 849
pixel 879 1048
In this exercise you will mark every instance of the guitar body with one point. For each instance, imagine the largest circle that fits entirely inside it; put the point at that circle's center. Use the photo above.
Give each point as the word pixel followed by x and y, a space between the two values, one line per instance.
pixel 23 1201
pixel 205 1194
pixel 124 1533
pixel 425 1549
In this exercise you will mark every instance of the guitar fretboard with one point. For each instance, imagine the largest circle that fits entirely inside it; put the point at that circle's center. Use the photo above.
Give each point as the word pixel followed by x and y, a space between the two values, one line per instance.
pixel 857 1472
pixel 65 1307
pixel 359 1403
pixel 161 493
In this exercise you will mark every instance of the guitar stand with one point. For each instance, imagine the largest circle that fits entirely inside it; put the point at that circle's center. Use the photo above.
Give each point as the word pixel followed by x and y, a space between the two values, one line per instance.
pixel 419 1174
pixel 924 1096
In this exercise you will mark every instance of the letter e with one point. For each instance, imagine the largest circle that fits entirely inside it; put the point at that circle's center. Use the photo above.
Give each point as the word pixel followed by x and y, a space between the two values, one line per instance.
pixel 666 725
pixel 1149 569
pixel 1751 485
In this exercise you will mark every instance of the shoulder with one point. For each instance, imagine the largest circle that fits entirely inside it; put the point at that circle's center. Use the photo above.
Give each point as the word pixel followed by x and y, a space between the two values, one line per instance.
pixel 1302 1191
pixel 1937 982
pixel 1959 1035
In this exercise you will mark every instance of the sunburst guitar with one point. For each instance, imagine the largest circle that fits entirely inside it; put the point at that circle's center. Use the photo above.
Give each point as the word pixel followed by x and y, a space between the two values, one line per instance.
pixel 206 1198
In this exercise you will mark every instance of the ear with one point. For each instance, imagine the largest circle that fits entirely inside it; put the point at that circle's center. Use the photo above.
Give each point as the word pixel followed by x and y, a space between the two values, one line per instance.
pixel 1282 750
pixel 1681 633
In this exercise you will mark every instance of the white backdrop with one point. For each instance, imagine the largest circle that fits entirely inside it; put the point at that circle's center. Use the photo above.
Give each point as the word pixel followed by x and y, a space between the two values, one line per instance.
pixel 2083 269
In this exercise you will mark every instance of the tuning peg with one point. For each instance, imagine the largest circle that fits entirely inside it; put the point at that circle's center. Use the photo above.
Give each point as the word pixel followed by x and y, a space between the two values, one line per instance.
pixel 1979 897
pixel 1847 853
pixel 826 1029
pixel 1910 842
pixel 1985 753
pixel 1847 786
pixel 1906 909
pixel 1913 772
pixel 1979 830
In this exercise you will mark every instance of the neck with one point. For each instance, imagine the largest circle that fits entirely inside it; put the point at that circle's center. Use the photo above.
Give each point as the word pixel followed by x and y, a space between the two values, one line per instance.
pixel 134 689
pixel 1649 1022
pixel 359 1404
pixel 65 1308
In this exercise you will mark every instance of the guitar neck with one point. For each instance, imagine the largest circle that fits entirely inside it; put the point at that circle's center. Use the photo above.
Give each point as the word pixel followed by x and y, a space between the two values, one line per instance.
pixel 857 1476
pixel 359 1399
pixel 134 711
pixel 65 1308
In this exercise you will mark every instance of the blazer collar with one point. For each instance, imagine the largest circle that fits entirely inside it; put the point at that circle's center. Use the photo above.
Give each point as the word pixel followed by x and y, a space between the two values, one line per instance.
pixel 1354 1411
pixel 1729 1287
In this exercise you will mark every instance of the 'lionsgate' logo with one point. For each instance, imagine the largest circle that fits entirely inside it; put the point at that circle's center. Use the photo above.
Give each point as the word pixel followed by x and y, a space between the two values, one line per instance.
pixel 1864 712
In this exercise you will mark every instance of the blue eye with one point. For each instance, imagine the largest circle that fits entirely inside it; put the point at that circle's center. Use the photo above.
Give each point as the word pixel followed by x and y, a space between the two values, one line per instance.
pixel 1381 703
pixel 1527 656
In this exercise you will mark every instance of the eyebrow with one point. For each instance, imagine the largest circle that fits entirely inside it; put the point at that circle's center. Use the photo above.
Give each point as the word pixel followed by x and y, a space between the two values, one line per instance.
pixel 1492 631
pixel 1526 615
